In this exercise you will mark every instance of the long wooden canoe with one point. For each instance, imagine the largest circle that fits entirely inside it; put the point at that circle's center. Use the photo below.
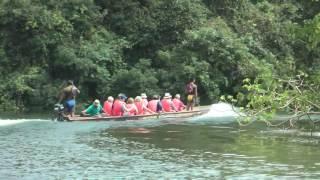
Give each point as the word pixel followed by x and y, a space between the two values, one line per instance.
pixel 182 114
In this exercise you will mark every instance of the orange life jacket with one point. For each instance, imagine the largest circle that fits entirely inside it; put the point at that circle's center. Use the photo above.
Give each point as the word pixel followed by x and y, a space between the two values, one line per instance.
pixel 117 108
pixel 132 110
pixel 152 105
pixel 178 104
pixel 166 105
pixel 107 107
pixel 145 102
pixel 139 106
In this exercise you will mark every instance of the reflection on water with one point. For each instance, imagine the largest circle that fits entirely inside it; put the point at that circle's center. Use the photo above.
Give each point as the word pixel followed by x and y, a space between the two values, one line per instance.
pixel 151 149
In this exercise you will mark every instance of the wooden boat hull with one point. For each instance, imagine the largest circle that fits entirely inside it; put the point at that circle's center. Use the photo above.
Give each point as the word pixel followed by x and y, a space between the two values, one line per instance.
pixel 182 114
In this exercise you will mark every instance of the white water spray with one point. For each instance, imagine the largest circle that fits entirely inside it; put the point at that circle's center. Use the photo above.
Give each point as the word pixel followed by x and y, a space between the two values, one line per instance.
pixel 222 110
pixel 219 113
pixel 8 122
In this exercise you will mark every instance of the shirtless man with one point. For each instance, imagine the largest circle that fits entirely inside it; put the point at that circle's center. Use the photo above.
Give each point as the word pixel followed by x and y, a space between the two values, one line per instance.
pixel 192 93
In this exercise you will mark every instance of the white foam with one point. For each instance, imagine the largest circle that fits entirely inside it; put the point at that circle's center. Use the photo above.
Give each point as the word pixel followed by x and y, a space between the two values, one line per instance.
pixel 220 113
pixel 222 110
pixel 8 122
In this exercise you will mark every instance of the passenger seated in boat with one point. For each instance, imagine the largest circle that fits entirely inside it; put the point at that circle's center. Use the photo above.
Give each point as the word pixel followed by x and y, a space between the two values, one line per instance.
pixel 94 109
pixel 107 106
pixel 178 103
pixel 142 109
pixel 119 105
pixel 144 99
pixel 130 108
pixel 155 105
pixel 167 104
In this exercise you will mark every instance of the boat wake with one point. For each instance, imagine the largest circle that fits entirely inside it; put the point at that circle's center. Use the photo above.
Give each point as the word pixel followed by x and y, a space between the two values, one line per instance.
pixel 220 113
pixel 8 122
pixel 222 110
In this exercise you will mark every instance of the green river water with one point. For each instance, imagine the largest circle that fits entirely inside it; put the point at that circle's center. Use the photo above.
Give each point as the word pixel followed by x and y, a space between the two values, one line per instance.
pixel 209 148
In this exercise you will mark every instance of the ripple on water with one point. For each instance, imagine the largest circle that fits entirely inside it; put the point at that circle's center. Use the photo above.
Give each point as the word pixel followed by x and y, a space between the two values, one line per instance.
pixel 49 150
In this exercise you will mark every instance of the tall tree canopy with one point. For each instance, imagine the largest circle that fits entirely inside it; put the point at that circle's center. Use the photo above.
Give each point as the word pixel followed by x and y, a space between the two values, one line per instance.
pixel 154 46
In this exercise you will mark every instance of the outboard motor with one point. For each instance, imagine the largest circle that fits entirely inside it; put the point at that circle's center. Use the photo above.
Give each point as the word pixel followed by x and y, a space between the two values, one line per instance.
pixel 58 112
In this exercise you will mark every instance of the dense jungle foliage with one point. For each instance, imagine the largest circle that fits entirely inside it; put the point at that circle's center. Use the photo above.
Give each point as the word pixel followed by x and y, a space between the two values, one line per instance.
pixel 260 52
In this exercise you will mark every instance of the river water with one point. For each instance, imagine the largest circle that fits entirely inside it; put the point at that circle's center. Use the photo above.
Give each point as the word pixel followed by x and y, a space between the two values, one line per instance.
pixel 154 149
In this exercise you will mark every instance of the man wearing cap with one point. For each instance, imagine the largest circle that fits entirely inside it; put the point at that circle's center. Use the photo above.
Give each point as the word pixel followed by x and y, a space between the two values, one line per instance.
pixel 119 105
pixel 178 103
pixel 68 94
pixel 167 104
pixel 94 109
pixel 144 99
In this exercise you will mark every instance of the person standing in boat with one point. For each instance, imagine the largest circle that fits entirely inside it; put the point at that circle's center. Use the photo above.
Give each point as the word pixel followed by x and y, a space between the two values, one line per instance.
pixel 95 109
pixel 155 105
pixel 68 95
pixel 107 106
pixel 178 103
pixel 192 94
pixel 119 105
pixel 167 104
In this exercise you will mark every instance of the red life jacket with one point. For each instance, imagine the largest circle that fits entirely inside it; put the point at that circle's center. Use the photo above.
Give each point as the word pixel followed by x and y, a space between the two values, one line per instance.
pixel 107 107
pixel 145 102
pixel 152 105
pixel 166 105
pixel 132 110
pixel 117 108
pixel 178 104
pixel 139 106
